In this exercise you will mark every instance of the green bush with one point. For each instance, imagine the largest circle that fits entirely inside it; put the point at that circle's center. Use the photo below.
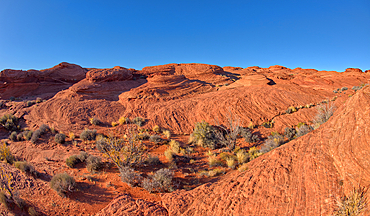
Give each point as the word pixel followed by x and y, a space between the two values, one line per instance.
pixel 204 135
pixel 62 183
pixel 88 134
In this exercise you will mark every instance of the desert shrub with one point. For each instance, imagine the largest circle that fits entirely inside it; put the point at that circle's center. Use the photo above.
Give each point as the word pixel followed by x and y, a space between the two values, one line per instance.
pixel 83 156
pixel 267 124
pixel 9 122
pixel 291 109
pixel 72 161
pixel 5 154
pixel 62 183
pixel 156 139
pixel 216 172
pixel 243 167
pixel 27 135
pixel 150 185
pixel 175 146
pixel 4 199
pixel 35 136
pixel 167 134
pixel 44 129
pixel 303 130
pixel 248 136
pixel 72 135
pixel 38 100
pixel 60 138
pixel 93 164
pixel 204 135
pixel 273 141
pixel 156 129
pixel 30 103
pixel 32 211
pixel 213 161
pixel 13 136
pixel 114 124
pixel 289 133
pixel 324 112
pixel 153 160
pixel 344 89
pixel 231 163
pixel 242 157
pixel 139 121
pixel 353 204
pixel 228 135
pixel 20 137
pixel 169 154
pixel 95 121
pixel 143 136
pixel 123 120
pixel 127 151
pixel 88 134
pixel 25 167
pixel 254 153
pixel 129 176
pixel 164 178
pixel 225 155
pixel 12 98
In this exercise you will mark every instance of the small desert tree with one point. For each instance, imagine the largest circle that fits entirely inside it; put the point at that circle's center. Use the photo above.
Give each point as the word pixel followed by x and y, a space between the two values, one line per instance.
pixel 126 151
pixel 228 135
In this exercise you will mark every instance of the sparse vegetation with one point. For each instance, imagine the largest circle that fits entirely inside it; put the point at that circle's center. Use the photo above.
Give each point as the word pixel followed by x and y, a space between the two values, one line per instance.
pixel 123 152
pixel 129 176
pixel 213 161
pixel 156 139
pixel 248 136
pixel 353 204
pixel 5 154
pixel 72 161
pixel 139 121
pixel 156 129
pixel 25 167
pixel 88 134
pixel 325 111
pixel 167 133
pixel 123 120
pixel 72 135
pixel 231 163
pixel 204 135
pixel 273 141
pixel 267 124
pixel 291 109
pixel 242 157
pixel 175 146
pixel 114 124
pixel 153 160
pixel 254 153
pixel 93 164
pixel 289 133
pixel 9 122
pixel 62 183
pixel 303 130
pixel 95 121
pixel 161 181
pixel 13 136
pixel 35 136
pixel 60 138
pixel 227 136
pixel 44 129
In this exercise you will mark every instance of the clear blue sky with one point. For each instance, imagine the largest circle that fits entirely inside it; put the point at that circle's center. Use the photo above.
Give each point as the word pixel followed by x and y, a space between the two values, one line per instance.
pixel 325 34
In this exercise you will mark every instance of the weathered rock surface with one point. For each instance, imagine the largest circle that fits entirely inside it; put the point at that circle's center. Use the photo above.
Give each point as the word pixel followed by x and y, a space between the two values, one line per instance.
pixel 126 205
pixel 104 75
pixel 302 177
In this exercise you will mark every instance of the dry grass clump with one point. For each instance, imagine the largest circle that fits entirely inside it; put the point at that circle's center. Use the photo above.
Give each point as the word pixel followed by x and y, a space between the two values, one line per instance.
pixel 62 183
pixel 114 124
pixel 242 156
pixel 324 112
pixel 175 146
pixel 231 163
pixel 273 141
pixel 216 172
pixel 72 135
pixel 155 138
pixel 169 154
pixel 214 161
pixel 5 154
pixel 167 133
pixel 243 168
pixel 124 120
pixel 254 153
pixel 353 204
pixel 156 129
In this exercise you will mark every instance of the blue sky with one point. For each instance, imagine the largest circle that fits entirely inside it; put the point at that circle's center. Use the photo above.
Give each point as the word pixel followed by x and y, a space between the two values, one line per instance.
pixel 325 35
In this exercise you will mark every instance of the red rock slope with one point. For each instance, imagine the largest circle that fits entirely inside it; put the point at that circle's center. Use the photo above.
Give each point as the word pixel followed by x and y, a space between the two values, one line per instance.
pixel 300 178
